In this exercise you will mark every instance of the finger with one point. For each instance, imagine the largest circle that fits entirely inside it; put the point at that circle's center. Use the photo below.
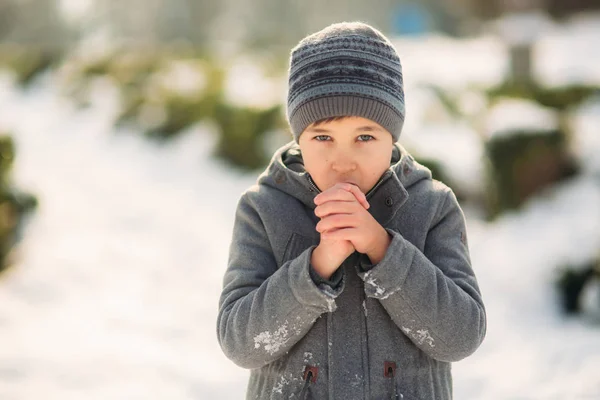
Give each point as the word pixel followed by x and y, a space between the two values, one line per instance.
pixel 339 234
pixel 338 192
pixel 336 207
pixel 360 196
pixel 336 221
pixel 335 193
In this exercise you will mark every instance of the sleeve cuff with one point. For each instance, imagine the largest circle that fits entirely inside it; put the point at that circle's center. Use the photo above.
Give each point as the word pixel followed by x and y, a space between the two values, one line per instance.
pixel 334 282
pixel 364 263
pixel 387 277
pixel 308 292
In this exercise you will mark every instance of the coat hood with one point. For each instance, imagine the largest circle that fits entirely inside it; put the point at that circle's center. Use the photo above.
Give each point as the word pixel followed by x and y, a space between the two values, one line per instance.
pixel 286 173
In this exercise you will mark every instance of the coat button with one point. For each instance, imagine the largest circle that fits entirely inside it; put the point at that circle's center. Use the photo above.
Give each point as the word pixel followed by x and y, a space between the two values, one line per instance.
pixel 389 201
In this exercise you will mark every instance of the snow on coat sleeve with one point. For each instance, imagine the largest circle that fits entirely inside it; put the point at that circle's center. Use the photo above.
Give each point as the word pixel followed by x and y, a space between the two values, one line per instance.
pixel 265 310
pixel 432 296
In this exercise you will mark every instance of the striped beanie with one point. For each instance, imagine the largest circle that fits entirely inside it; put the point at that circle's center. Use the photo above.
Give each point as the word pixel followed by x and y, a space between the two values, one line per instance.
pixel 346 69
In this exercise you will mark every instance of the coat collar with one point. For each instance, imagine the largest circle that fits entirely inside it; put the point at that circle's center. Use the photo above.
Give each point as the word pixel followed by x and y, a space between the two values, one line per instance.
pixel 387 197
pixel 286 173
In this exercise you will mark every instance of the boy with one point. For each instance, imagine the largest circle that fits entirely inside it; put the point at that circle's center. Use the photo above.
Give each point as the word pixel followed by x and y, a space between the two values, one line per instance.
pixel 349 274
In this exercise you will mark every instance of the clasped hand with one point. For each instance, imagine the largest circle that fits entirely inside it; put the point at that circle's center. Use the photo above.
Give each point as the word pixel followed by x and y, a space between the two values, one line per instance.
pixel 346 226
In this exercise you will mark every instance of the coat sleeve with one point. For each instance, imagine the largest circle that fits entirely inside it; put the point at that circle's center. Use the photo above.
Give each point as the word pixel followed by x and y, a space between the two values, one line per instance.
pixel 432 296
pixel 264 310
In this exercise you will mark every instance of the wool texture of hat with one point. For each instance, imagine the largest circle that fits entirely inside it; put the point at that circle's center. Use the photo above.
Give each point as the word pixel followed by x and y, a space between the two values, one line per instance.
pixel 345 69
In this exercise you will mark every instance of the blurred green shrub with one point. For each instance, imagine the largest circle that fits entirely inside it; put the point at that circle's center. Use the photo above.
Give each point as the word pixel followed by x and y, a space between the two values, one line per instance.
pixel 181 110
pixel 153 101
pixel 129 69
pixel 150 97
pixel 559 98
pixel 521 163
pixel 14 205
pixel 27 62
pixel 164 92
pixel 242 132
pixel 571 282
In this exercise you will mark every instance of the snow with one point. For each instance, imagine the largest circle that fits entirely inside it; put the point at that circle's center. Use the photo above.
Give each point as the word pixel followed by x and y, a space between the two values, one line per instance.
pixel 508 116
pixel 185 78
pixel 435 141
pixel 248 85
pixel 531 349
pixel 272 342
pixel 379 291
pixel 586 143
pixel 420 335
pixel 569 54
pixel 115 290
pixel 451 63
pixel 520 28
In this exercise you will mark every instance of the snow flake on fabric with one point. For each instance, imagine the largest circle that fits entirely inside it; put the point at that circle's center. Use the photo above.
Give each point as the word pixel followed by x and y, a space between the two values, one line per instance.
pixel 331 306
pixel 379 291
pixel 278 388
pixel 420 336
pixel 307 357
pixel 272 342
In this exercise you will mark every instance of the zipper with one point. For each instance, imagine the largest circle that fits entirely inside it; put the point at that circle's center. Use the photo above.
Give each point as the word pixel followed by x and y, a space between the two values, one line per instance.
pixel 312 184
pixel 314 187
pixel 375 187
pixel 310 376
pixel 389 371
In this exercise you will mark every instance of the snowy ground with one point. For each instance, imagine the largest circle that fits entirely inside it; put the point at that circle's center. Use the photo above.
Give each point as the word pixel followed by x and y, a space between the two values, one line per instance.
pixel 115 292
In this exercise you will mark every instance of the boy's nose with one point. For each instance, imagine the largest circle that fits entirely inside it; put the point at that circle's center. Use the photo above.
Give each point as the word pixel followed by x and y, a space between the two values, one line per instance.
pixel 343 164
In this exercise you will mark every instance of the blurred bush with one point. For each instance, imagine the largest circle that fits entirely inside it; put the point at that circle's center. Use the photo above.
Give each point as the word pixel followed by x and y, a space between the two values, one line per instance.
pixel 129 69
pixel 242 131
pixel 14 205
pixel 179 109
pixel 523 162
pixel 164 92
pixel 560 98
pixel 27 62
pixel 571 283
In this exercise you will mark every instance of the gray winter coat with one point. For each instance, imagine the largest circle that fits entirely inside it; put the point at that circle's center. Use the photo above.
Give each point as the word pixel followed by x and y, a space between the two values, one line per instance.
pixel 388 331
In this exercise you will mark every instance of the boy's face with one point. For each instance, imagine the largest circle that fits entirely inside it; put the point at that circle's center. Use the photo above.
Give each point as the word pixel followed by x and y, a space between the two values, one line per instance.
pixel 355 150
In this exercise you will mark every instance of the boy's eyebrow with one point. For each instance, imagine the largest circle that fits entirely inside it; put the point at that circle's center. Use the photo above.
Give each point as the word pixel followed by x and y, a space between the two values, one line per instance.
pixel 366 128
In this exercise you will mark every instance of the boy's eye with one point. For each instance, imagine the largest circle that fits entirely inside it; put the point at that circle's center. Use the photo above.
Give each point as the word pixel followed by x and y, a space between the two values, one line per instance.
pixel 361 138
pixel 365 138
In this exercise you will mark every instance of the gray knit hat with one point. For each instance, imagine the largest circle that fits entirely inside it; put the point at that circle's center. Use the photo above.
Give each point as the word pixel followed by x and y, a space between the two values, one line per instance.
pixel 346 69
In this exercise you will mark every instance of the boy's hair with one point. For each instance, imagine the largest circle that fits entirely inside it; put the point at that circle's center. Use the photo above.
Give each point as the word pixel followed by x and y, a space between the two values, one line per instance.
pixel 346 69
pixel 330 119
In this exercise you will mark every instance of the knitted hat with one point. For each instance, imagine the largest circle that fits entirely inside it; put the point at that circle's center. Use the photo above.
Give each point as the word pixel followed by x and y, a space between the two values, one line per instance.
pixel 346 69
